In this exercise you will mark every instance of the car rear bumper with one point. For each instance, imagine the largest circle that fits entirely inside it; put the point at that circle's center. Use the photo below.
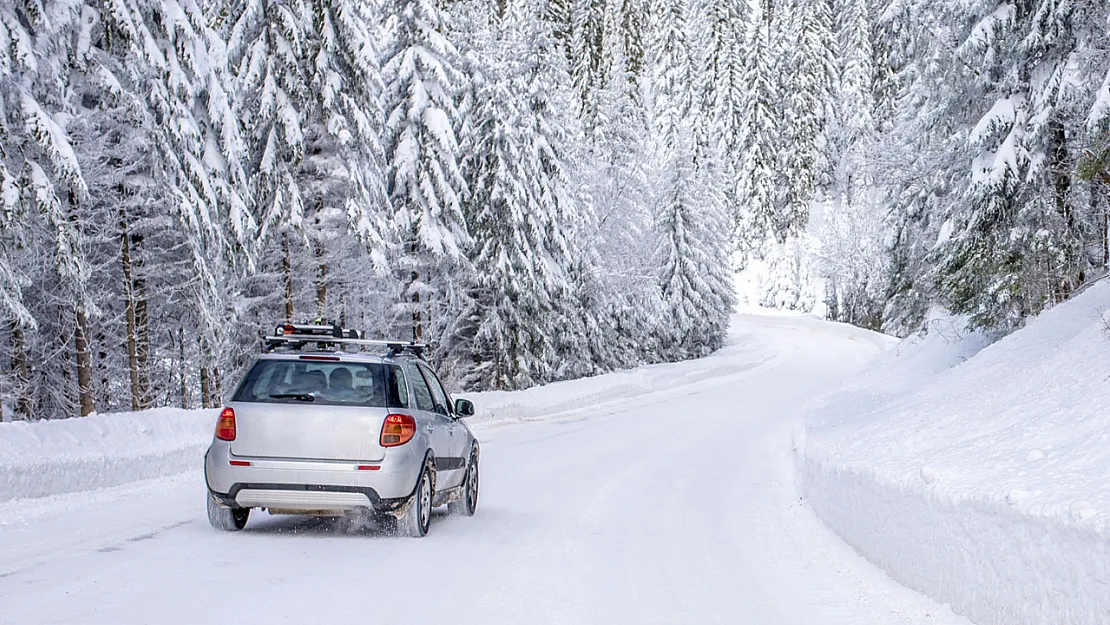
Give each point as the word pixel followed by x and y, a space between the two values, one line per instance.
pixel 310 486
pixel 305 498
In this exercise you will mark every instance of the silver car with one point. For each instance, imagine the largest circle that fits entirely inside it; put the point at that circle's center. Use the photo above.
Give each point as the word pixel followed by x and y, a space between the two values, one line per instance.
pixel 318 427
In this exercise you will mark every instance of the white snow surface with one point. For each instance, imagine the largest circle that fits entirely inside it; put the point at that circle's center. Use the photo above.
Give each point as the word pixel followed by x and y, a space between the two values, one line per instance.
pixel 662 495
pixel 978 477
pixel 43 458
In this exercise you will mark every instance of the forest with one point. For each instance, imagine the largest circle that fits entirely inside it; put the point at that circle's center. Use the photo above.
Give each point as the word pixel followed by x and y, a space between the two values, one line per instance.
pixel 539 189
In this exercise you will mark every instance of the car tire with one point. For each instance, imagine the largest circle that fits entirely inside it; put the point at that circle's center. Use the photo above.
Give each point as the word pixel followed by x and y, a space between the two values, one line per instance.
pixel 469 502
pixel 226 519
pixel 418 517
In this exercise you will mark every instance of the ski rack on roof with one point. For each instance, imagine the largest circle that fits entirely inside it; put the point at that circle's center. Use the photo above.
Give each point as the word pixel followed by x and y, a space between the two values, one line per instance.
pixel 295 336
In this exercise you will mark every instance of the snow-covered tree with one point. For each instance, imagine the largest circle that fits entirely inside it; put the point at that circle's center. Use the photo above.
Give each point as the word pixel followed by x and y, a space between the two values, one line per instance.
pixel 1019 243
pixel 588 56
pixel 811 79
pixel 723 91
pixel 788 281
pixel 526 324
pixel 693 255
pixel 695 275
pixel 618 184
pixel 757 183
pixel 423 220
pixel 308 86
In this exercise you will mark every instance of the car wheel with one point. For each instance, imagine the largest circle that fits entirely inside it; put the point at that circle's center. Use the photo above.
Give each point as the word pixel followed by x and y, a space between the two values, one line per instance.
pixel 469 502
pixel 226 519
pixel 418 516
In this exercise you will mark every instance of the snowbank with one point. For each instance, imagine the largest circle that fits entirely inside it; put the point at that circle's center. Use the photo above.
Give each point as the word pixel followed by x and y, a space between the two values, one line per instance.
pixel 981 479
pixel 51 457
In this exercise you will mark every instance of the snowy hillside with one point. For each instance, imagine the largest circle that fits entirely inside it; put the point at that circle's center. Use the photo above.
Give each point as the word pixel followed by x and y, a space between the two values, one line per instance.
pixel 983 483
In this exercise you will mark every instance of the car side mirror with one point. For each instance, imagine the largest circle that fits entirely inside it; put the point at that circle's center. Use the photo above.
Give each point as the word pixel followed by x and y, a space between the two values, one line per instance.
pixel 464 408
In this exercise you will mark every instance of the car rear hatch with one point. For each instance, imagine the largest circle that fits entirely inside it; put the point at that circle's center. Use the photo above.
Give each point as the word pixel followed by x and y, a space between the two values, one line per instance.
pixel 308 432
pixel 312 407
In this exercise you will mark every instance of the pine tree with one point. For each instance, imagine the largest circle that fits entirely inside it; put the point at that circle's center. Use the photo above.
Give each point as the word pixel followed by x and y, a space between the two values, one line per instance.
pixel 559 14
pixel 632 24
pixel 1017 247
pixel 924 164
pixel 674 85
pixel 694 267
pixel 856 96
pixel 39 172
pixel 618 185
pixel 695 276
pixel 808 101
pixel 423 219
pixel 757 183
pixel 588 58
pixel 787 284
pixel 723 94
pixel 524 320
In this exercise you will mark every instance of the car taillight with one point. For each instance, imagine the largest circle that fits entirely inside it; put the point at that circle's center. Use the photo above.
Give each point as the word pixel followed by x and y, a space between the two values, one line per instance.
pixel 225 427
pixel 398 429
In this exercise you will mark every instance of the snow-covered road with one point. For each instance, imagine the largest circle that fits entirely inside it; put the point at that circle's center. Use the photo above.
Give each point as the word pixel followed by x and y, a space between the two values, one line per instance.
pixel 677 506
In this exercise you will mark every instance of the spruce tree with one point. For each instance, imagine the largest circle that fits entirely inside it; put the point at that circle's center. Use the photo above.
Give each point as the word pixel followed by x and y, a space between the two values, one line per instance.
pixel 693 257
pixel 808 100
pixel 618 185
pixel 695 278
pixel 1017 238
pixel 588 56
pixel 423 219
pixel 723 97
pixel 525 323
pixel 755 223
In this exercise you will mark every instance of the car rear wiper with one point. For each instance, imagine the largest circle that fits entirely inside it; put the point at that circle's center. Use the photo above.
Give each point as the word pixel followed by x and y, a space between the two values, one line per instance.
pixel 297 396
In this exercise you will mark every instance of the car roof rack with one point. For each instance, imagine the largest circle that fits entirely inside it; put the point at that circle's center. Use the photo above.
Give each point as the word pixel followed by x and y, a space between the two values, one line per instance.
pixel 326 336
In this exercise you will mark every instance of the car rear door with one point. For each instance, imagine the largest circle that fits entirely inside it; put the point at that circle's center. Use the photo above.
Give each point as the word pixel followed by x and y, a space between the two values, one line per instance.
pixel 434 423
pixel 454 463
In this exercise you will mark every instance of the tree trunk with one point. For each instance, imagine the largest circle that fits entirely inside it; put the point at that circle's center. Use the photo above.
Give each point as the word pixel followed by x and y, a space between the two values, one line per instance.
pixel 142 322
pixel 1060 171
pixel 104 395
pixel 129 312
pixel 209 377
pixel 417 318
pixel 142 353
pixel 21 366
pixel 320 252
pixel 205 388
pixel 217 388
pixel 287 271
pixel 84 364
pixel 69 403
pixel 204 355
pixel 181 369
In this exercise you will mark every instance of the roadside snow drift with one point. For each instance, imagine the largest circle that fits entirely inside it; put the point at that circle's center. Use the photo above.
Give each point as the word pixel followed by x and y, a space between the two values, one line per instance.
pixel 43 458
pixel 984 483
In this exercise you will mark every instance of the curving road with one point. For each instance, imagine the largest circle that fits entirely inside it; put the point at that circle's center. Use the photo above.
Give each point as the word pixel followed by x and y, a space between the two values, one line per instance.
pixel 671 506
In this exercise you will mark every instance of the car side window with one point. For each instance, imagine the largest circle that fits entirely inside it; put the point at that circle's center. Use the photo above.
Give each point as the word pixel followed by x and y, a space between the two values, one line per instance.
pixel 398 390
pixel 443 405
pixel 423 394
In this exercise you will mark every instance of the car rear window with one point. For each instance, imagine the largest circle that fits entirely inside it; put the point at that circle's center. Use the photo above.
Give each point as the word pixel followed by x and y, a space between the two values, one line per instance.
pixel 328 383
